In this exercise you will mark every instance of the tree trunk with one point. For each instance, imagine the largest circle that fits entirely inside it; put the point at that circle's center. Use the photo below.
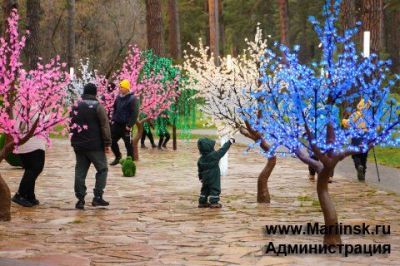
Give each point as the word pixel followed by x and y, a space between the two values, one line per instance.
pixel 392 31
pixel 348 14
pixel 214 29
pixel 221 27
pixel 5 201
pixel 154 26
pixel 284 21
pixel 33 25
pixel 71 34
pixel 175 50
pixel 372 17
pixel 5 195
pixel 327 206
pixel 396 42
pixel 136 139
pixel 207 43
pixel 174 38
pixel 263 195
pixel 262 184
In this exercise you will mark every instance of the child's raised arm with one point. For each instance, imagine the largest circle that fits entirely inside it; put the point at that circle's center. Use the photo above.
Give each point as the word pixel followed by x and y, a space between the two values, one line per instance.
pixel 217 155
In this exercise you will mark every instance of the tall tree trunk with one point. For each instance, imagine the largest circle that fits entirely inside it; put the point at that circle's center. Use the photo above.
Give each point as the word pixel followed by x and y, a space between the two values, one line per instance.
pixel 263 195
pixel 154 26
pixel 284 21
pixel 214 28
pixel 393 44
pixel 221 27
pixel 207 43
pixel 372 20
pixel 175 49
pixel 348 14
pixel 71 34
pixel 327 206
pixel 8 5
pixel 174 38
pixel 33 25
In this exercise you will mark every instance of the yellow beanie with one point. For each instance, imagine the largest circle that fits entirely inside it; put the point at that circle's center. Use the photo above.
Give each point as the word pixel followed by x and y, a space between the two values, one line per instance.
pixel 125 84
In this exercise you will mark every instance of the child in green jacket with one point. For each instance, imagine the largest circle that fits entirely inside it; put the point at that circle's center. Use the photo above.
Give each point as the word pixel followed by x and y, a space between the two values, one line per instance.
pixel 209 172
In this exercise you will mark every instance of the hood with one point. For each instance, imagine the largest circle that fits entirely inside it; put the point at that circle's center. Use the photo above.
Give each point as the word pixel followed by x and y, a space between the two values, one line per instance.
pixel 205 145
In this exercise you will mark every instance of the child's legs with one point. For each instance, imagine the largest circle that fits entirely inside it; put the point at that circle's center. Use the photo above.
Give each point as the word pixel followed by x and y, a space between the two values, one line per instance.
pixel 161 140
pixel 167 137
pixel 215 190
pixel 204 194
pixel 150 136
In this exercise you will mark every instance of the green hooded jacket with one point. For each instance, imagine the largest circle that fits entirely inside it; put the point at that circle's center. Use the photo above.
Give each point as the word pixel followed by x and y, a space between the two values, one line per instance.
pixel 208 163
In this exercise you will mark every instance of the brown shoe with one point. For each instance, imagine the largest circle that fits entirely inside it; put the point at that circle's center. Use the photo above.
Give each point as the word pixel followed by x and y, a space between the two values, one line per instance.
pixel 204 205
pixel 215 206
pixel 311 177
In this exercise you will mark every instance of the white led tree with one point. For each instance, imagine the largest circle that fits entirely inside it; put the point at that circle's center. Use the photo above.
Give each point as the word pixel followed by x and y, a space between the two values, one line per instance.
pixel 227 90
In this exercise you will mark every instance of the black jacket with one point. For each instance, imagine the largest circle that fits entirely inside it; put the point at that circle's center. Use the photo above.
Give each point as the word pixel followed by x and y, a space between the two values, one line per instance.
pixel 208 163
pixel 91 114
pixel 126 110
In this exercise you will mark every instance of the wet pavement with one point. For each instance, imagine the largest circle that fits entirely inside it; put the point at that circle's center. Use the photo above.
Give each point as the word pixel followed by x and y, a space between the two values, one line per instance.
pixel 153 218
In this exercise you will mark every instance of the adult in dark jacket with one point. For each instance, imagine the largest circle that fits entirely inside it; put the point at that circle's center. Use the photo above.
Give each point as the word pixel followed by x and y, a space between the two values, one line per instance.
pixel 91 139
pixel 125 114
pixel 209 172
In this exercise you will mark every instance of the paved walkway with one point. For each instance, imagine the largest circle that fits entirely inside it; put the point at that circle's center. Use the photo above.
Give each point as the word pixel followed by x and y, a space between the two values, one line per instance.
pixel 390 177
pixel 153 218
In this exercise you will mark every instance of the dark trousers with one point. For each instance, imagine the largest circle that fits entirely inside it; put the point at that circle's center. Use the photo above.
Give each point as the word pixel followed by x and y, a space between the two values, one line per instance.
pixel 359 159
pixel 164 138
pixel 211 188
pixel 33 163
pixel 311 170
pixel 149 135
pixel 83 161
pixel 119 131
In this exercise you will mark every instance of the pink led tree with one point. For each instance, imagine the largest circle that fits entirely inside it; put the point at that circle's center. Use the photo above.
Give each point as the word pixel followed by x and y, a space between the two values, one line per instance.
pixel 33 101
pixel 155 94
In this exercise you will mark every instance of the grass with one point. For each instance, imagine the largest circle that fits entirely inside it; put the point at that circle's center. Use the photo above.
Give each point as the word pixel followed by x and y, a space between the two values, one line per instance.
pixel 58 129
pixel 202 122
pixel 305 198
pixel 386 156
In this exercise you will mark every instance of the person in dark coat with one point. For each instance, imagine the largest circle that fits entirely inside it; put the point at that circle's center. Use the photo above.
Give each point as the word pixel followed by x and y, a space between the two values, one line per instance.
pixel 125 114
pixel 91 140
pixel 209 172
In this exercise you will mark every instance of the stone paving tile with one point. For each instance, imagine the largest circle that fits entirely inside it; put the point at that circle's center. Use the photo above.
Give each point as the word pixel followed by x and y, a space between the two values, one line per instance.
pixel 153 218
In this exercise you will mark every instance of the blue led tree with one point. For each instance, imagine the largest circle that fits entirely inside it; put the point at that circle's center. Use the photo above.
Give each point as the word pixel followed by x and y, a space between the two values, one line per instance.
pixel 301 107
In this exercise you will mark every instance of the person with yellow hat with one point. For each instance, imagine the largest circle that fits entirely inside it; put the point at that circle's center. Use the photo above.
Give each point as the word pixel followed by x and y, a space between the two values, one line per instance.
pixel 357 119
pixel 125 114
